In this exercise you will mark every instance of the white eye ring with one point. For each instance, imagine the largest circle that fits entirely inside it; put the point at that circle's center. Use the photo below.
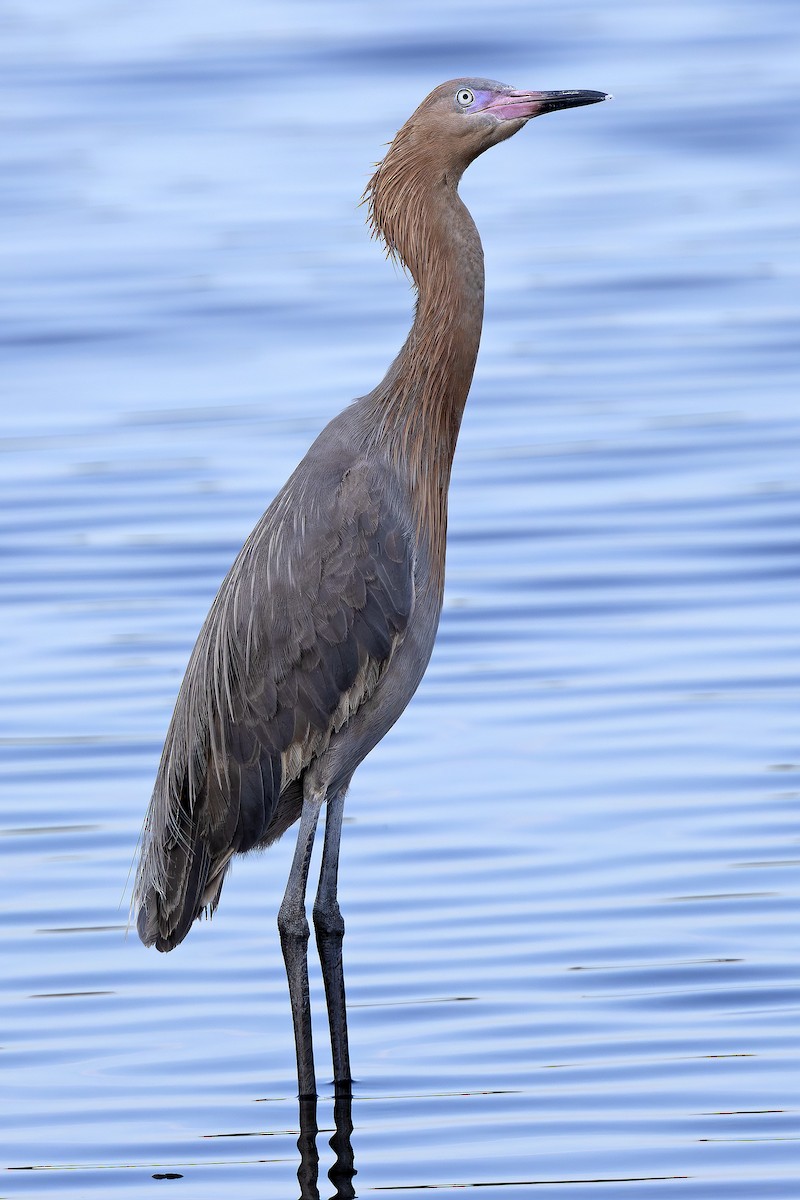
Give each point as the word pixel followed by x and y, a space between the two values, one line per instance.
pixel 465 97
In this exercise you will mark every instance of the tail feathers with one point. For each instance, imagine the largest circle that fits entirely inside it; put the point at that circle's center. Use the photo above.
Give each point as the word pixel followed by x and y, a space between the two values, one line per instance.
pixel 190 840
pixel 193 887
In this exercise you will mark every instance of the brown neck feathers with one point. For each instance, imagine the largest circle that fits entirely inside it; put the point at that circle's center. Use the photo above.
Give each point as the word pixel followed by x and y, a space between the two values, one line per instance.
pixel 416 410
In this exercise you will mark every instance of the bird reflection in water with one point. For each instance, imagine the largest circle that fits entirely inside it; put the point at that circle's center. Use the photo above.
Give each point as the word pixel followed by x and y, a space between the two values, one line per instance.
pixel 343 1169
pixel 323 628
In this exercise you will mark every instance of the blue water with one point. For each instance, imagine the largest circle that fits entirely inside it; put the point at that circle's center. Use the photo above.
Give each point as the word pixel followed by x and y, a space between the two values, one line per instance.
pixel 570 873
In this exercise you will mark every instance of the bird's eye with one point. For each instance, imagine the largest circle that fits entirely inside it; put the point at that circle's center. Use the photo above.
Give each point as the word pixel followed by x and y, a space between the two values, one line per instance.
pixel 465 97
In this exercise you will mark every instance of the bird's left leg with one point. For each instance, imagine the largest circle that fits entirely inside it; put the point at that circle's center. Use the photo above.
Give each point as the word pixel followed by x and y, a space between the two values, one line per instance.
pixel 293 928
pixel 329 926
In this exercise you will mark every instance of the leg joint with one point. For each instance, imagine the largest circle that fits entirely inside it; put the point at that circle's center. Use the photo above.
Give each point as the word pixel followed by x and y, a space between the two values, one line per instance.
pixel 328 920
pixel 292 925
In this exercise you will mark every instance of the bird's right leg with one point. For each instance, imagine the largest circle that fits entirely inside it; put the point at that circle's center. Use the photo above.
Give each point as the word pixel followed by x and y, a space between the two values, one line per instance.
pixel 329 926
pixel 293 929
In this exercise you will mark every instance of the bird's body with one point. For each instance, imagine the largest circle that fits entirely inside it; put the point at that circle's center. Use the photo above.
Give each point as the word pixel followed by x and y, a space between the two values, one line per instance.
pixel 323 628
pixel 315 608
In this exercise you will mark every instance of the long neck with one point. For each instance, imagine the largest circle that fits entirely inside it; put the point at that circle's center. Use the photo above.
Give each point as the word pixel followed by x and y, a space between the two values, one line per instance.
pixel 415 412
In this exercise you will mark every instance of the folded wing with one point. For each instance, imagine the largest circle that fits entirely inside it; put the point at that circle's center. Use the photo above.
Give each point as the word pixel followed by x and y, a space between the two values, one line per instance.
pixel 296 641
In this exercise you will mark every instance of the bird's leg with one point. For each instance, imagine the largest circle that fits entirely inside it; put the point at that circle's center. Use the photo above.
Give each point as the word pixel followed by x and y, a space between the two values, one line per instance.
pixel 329 926
pixel 293 928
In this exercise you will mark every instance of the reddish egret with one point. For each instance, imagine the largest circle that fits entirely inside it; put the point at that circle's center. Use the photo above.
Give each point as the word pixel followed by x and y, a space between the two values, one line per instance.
pixel 322 630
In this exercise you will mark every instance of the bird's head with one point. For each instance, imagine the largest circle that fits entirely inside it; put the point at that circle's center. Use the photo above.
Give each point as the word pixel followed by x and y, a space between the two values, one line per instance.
pixel 451 127
pixel 464 117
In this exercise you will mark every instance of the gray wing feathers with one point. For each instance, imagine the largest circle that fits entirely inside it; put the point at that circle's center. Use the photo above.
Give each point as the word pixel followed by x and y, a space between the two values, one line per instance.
pixel 296 640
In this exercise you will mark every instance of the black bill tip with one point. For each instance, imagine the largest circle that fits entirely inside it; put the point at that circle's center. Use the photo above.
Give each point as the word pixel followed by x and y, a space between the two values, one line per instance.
pixel 553 101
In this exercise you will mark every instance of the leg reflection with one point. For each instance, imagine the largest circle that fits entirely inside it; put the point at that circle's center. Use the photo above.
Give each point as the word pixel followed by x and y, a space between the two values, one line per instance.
pixel 308 1171
pixel 343 1169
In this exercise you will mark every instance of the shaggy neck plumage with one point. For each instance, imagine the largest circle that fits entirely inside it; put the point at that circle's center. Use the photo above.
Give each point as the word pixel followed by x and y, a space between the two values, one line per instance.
pixel 416 410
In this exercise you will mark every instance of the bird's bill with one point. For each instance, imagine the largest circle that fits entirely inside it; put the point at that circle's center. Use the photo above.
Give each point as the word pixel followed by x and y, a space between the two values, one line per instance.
pixel 521 106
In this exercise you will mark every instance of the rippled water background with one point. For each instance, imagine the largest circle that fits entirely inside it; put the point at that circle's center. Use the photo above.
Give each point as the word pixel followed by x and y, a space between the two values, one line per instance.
pixel 570 873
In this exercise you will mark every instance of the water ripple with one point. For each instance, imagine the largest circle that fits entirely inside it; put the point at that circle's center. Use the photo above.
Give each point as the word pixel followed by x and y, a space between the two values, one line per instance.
pixel 570 872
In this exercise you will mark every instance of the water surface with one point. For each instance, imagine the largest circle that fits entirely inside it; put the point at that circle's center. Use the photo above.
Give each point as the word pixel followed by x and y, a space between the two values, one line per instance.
pixel 570 873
